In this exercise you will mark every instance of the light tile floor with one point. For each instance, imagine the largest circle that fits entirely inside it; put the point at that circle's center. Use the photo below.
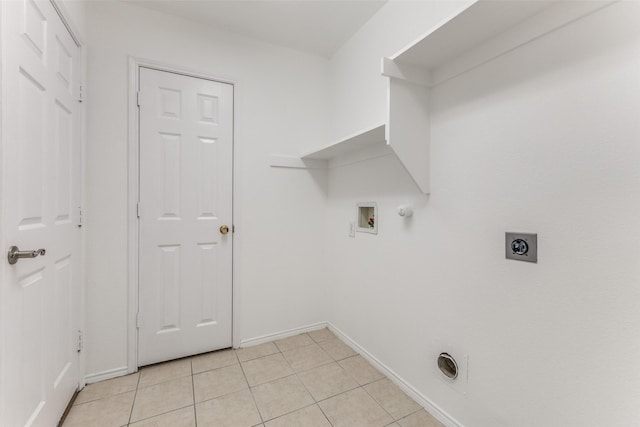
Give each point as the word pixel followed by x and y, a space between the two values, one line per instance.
pixel 309 380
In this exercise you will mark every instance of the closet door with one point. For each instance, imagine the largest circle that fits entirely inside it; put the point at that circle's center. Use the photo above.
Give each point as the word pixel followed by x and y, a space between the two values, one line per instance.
pixel 186 148
pixel 40 199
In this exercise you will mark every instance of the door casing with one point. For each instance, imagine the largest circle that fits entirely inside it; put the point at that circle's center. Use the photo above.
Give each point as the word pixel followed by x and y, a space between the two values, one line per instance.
pixel 134 196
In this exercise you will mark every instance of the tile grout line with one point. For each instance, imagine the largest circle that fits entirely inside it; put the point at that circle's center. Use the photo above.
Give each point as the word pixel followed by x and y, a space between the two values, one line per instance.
pixel 317 403
pixel 135 395
pixel 193 391
pixel 380 403
pixel 295 374
pixel 152 385
pixel 413 413
pixel 160 414
pixel 376 400
pixel 250 391
pixel 296 410
pixel 103 397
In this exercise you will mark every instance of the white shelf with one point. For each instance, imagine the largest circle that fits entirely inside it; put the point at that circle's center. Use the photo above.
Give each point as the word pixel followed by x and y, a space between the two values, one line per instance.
pixel 477 34
pixel 369 143
pixel 360 141
pixel 474 35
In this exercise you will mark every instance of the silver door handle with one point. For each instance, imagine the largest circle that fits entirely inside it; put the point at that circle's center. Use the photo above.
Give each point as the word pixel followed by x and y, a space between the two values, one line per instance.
pixel 15 254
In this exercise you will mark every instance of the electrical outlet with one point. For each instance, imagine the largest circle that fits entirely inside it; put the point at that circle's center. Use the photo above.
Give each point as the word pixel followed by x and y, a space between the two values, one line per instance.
pixel 521 246
pixel 352 229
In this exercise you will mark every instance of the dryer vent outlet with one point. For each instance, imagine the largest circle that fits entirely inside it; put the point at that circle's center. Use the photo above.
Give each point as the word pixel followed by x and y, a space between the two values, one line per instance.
pixel 448 366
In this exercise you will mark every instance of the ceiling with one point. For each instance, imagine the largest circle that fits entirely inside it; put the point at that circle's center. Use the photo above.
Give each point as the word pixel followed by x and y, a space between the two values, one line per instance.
pixel 315 26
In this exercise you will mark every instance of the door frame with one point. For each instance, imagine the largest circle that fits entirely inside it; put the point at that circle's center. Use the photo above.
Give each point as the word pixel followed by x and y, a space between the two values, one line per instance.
pixel 76 35
pixel 133 197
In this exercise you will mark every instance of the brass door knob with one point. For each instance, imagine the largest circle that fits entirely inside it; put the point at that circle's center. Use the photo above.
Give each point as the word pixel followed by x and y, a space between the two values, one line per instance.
pixel 224 229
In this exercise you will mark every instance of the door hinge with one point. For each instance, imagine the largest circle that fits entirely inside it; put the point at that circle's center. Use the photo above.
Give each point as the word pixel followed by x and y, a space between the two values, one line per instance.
pixel 81 94
pixel 138 209
pixel 138 98
pixel 80 340
pixel 80 216
pixel 138 320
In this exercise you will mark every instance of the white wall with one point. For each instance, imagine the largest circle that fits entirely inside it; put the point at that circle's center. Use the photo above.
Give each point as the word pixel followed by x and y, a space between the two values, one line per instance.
pixel 280 214
pixel 553 343
pixel 546 140
pixel 360 92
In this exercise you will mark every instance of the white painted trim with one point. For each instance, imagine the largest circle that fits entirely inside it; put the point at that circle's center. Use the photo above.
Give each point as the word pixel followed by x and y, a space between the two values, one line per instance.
pixel 283 334
pixel 82 361
pixel 425 402
pixel 106 375
pixel 133 197
pixel 3 242
pixel 62 12
pixel 80 312
pixel 297 163
pixel 132 217
pixel 235 220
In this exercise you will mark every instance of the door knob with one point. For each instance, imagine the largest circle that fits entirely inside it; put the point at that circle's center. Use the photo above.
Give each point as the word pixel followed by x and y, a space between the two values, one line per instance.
pixel 224 229
pixel 15 254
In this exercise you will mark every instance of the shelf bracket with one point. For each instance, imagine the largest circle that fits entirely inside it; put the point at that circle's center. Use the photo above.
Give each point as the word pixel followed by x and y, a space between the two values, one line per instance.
pixel 411 73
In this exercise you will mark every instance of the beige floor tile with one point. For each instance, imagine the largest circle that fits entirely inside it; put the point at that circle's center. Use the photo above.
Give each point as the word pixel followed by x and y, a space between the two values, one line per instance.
pixel 216 383
pixel 337 349
pixel 213 360
pixel 305 358
pixel 108 412
pixel 156 374
pixel 236 409
pixel 355 408
pixel 326 381
pixel 250 353
pixel 184 417
pixel 161 398
pixel 392 399
pixel 294 342
pixel 360 370
pixel 266 369
pixel 108 388
pixel 420 419
pixel 311 416
pixel 321 335
pixel 281 397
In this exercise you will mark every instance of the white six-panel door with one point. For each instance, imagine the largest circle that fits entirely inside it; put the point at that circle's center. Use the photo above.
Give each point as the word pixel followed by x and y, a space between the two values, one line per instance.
pixel 185 271
pixel 40 202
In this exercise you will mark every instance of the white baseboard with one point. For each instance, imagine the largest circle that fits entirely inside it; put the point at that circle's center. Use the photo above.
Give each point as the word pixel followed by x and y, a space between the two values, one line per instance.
pixel 280 335
pixel 425 402
pixel 106 375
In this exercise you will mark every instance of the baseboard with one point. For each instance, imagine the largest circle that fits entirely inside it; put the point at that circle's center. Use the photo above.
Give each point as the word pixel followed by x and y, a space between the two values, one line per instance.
pixel 283 334
pixel 425 402
pixel 106 375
